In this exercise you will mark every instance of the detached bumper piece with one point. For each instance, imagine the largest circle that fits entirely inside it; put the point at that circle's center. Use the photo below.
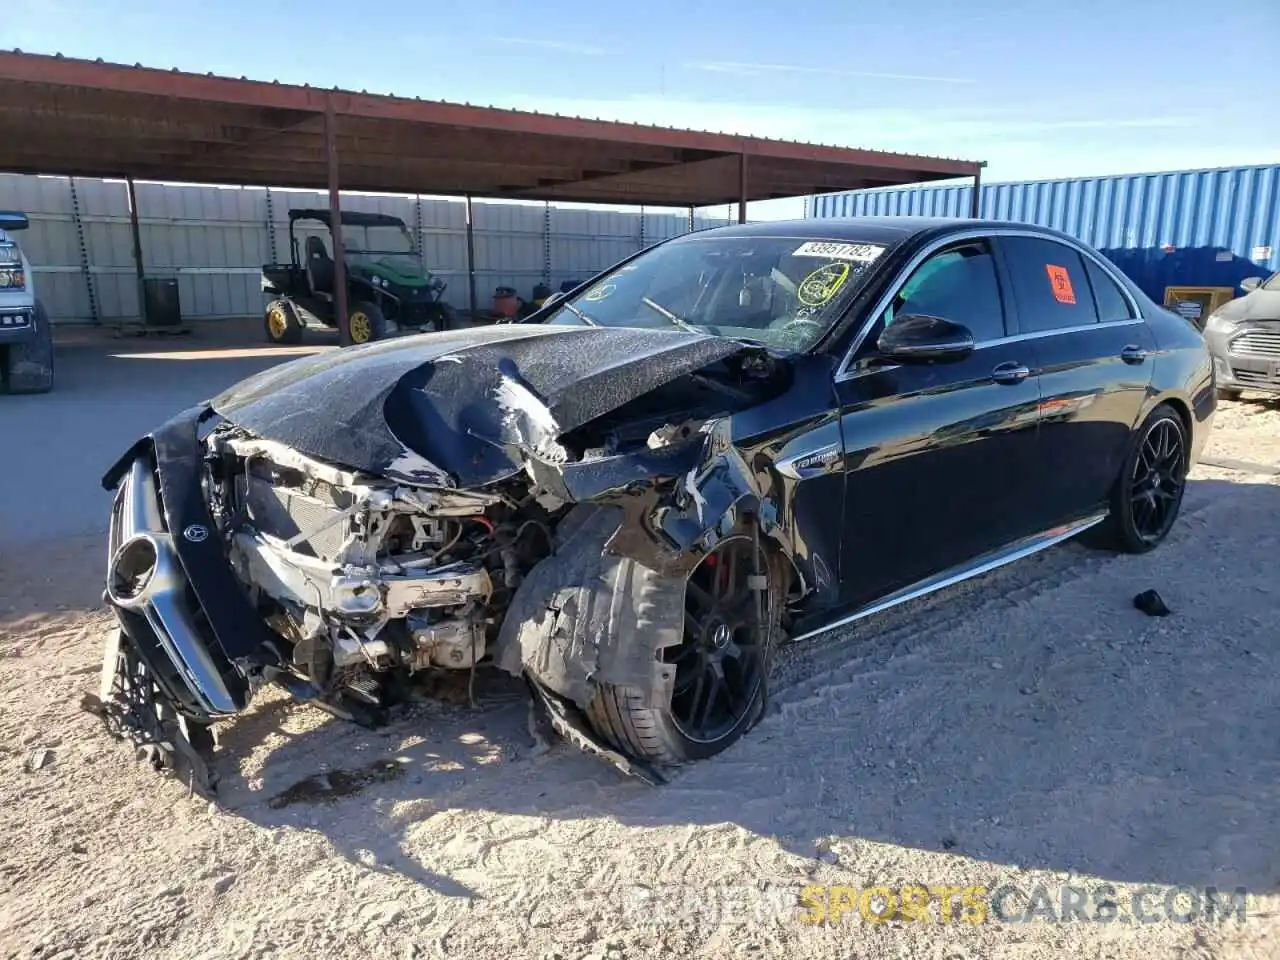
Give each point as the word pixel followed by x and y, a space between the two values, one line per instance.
pixel 148 587
pixel 567 720
pixel 168 673
pixel 129 705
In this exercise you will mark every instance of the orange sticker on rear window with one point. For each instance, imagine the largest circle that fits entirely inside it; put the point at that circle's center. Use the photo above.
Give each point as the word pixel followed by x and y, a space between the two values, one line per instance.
pixel 1060 283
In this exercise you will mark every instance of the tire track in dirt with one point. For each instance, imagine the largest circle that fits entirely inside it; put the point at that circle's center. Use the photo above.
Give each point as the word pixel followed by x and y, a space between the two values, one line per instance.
pixel 882 637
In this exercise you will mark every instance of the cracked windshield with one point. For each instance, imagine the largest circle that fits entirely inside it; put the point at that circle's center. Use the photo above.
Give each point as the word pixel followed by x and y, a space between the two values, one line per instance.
pixel 781 292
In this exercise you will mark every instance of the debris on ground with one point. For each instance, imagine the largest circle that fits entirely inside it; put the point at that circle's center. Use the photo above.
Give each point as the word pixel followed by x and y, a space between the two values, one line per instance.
pixel 1152 604
pixel 38 758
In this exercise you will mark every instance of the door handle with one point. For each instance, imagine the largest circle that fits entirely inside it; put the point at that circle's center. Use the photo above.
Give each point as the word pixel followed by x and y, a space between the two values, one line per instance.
pixel 1133 354
pixel 1010 372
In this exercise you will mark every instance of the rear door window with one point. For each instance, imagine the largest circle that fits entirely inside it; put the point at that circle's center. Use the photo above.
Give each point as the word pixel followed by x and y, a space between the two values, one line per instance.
pixel 1050 284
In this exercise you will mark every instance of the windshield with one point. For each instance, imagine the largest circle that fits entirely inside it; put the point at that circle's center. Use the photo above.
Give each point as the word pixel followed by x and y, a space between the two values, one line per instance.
pixel 378 239
pixel 783 292
pixel 390 247
pixel 1273 282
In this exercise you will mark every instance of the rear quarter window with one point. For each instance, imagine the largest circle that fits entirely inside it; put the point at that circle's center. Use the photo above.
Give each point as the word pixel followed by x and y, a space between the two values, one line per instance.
pixel 1111 303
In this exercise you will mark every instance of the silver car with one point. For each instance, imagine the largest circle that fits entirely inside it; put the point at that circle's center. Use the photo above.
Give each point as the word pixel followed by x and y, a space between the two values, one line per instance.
pixel 1244 337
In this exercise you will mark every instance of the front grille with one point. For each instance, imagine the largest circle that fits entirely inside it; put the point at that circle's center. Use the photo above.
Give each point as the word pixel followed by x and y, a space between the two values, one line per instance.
pixel 1256 343
pixel 22 319
pixel 1256 378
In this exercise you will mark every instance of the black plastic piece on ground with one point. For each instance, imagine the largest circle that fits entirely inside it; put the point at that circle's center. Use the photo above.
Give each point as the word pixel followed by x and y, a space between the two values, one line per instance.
pixel 1152 604
pixel 568 721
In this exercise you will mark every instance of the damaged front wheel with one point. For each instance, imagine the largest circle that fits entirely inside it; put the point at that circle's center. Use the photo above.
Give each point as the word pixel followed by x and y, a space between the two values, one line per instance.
pixel 731 621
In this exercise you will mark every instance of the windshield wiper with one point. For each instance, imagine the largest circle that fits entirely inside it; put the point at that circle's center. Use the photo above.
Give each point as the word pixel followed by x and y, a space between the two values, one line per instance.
pixel 578 313
pixel 659 308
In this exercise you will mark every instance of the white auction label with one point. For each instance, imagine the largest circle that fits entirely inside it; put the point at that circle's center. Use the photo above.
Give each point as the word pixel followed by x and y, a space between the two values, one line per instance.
pixel 857 252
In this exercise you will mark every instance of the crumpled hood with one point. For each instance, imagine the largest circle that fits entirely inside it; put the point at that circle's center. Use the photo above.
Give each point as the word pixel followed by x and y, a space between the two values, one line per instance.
pixel 462 408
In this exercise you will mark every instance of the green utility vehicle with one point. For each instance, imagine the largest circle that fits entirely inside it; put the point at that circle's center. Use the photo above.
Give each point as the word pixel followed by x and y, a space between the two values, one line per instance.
pixel 388 287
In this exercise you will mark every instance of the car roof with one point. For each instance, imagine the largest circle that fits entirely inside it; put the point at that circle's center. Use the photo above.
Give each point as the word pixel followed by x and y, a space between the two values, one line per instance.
pixel 884 230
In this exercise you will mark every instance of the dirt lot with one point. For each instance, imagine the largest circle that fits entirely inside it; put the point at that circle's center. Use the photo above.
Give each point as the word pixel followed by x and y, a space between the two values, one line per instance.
pixel 1026 729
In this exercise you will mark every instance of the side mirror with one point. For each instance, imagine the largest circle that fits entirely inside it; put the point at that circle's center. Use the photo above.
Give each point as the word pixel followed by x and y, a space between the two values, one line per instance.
pixel 921 339
pixel 11 220
pixel 1249 284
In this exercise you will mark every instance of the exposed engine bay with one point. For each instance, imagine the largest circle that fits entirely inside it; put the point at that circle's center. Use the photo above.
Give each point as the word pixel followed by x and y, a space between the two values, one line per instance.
pixel 433 529
pixel 362 574
pixel 366 574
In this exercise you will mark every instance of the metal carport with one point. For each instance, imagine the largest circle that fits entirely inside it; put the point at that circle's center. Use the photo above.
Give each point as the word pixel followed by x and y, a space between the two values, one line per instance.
pixel 93 119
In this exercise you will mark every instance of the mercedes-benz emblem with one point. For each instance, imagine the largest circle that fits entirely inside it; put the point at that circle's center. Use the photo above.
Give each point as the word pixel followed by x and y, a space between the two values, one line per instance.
pixel 196 533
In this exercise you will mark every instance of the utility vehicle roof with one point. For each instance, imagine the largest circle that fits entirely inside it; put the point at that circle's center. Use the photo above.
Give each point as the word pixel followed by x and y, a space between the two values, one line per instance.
pixel 350 218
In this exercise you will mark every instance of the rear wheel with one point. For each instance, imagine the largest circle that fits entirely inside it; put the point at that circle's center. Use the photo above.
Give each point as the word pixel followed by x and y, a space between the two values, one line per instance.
pixel 1148 494
pixel 366 323
pixel 28 366
pixel 731 623
pixel 282 323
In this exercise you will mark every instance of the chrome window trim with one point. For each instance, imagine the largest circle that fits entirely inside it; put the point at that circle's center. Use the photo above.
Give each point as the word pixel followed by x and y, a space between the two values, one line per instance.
pixel 977 233
pixel 1040 334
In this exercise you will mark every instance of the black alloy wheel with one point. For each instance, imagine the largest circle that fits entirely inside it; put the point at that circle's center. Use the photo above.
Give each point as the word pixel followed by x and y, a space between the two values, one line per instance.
pixel 1159 479
pixel 716 678
pixel 1148 493
pixel 719 665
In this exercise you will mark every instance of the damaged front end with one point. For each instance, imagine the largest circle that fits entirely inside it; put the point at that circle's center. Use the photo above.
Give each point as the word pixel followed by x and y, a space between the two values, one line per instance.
pixel 241 554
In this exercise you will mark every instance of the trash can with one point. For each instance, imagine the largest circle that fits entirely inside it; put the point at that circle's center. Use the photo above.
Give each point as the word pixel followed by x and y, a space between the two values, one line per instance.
pixel 505 302
pixel 160 302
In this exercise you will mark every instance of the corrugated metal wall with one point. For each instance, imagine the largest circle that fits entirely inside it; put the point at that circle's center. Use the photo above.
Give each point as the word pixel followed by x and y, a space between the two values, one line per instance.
pixel 215 240
pixel 1194 227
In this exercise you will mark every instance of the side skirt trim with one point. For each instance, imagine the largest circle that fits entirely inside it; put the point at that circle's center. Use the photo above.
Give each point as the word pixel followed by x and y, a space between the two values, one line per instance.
pixel 949 578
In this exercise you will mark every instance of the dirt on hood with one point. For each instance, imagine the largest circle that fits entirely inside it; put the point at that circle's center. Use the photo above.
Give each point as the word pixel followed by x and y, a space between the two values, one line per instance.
pixel 470 403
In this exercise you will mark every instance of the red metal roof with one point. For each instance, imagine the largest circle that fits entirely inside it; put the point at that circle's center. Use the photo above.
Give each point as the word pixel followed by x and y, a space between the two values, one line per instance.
pixel 95 119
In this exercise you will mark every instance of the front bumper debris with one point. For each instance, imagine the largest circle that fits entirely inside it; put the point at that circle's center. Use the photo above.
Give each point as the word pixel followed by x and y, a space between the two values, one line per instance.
pixel 128 705
pixel 148 588
pixel 190 647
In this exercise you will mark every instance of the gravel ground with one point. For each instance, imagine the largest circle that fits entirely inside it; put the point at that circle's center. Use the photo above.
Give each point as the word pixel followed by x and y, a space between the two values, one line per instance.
pixel 1029 728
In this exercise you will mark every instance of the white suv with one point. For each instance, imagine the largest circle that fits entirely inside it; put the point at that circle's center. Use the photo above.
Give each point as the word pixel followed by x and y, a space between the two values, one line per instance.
pixel 26 341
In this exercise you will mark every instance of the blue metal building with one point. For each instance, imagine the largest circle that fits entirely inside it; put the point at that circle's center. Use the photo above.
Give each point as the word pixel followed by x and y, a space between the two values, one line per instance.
pixel 1210 228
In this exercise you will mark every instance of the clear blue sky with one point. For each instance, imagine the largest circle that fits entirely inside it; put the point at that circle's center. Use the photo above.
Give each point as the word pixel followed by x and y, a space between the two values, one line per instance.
pixel 1038 89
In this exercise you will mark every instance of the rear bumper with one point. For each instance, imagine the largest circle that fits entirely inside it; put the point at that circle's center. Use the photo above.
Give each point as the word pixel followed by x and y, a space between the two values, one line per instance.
pixel 169 583
pixel 16 325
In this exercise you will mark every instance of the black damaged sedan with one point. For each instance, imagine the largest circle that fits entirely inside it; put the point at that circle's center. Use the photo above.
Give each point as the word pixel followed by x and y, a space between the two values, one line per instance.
pixel 736 437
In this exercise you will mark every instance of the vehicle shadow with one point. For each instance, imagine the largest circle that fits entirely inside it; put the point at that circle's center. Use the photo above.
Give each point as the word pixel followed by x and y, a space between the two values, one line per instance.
pixel 1033 718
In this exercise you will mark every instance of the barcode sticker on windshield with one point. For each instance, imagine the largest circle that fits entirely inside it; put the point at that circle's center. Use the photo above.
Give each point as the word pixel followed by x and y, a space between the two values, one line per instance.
pixel 857 252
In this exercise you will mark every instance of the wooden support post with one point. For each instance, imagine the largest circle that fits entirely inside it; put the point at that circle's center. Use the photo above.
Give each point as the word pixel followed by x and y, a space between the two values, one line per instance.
pixel 137 250
pixel 471 259
pixel 335 228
